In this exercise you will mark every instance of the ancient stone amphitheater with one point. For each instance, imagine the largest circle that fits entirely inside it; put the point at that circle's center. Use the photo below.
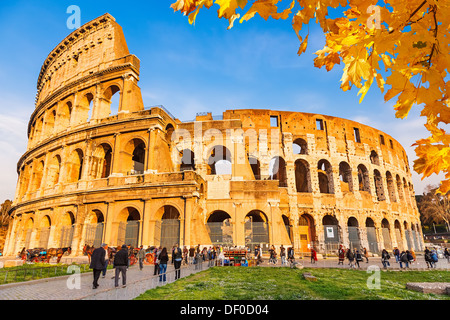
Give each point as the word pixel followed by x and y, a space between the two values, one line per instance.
pixel 102 167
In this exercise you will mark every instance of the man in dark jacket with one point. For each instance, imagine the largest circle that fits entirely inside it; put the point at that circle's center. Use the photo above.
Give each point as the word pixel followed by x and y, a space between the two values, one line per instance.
pixel 121 264
pixel 98 263
pixel 177 256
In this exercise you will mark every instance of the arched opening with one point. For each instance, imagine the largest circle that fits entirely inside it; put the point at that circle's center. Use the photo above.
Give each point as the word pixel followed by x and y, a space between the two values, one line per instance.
pixel 187 160
pixel 300 146
pixel 133 157
pixel 288 226
pixel 306 232
pixel 169 131
pixel 325 176
pixel 220 228
pixel 111 98
pixel 37 176
pixel 374 159
pixel 129 219
pixel 101 162
pixel 44 232
pixel 219 161
pixel 345 177
pixel 28 230
pixel 50 122
pixel 390 186
pixel 256 167
pixel 416 236
pixel 406 190
pixel 408 235
pixel 371 235
pixel 353 233
pixel 256 230
pixel 399 187
pixel 167 232
pixel 331 233
pixel 67 224
pixel 277 171
pixel 398 235
pixel 363 179
pixel 53 170
pixel 64 117
pixel 75 166
pixel 378 181
pixel 87 106
pixel 385 229
pixel 302 176
pixel 94 226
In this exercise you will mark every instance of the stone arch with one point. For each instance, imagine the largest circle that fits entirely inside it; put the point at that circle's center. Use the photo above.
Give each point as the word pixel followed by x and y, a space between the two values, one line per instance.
pixel 65 116
pixel 167 228
pixel 101 161
pixel 302 176
pixel 300 146
pixel 385 229
pixel 220 228
pixel 325 176
pixel 374 159
pixel 288 225
pixel 398 234
pixel 187 160
pixel 345 176
pixel 307 232
pixel 169 131
pixel 129 222
pixel 28 229
pixel 331 232
pixel 256 227
pixel 67 226
pixel 86 106
pixel 38 174
pixel 399 187
pixel 75 166
pixel 277 170
pixel 363 178
pixel 219 161
pixel 93 228
pixel 372 238
pixel 353 233
pixel 378 181
pixel 255 166
pixel 110 101
pixel 44 231
pixel 53 171
pixel 133 156
pixel 390 186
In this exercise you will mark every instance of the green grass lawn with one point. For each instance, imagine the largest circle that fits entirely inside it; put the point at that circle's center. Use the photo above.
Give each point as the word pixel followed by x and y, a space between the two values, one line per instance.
pixel 257 283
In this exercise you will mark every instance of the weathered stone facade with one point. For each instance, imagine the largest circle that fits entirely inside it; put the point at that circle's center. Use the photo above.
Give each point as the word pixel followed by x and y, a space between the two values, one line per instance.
pixel 137 175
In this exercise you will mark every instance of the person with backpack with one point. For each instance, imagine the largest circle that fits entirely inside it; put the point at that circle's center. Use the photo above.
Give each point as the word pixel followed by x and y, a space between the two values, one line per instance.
pixel 358 258
pixel 434 258
pixel 385 258
pixel 403 259
pixel 177 257
pixel 290 255
pixel 283 255
pixel 396 254
pixel 350 257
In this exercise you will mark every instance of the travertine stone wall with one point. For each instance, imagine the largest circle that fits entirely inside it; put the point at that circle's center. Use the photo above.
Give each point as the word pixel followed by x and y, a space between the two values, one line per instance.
pixel 94 172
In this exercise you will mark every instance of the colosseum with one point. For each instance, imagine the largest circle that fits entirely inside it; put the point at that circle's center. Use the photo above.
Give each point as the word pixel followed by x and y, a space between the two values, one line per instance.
pixel 102 167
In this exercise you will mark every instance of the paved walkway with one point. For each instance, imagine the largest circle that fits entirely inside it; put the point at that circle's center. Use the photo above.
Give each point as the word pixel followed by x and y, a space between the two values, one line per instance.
pixel 79 286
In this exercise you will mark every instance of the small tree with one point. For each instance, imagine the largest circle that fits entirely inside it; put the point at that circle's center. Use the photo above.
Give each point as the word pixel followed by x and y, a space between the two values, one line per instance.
pixel 434 206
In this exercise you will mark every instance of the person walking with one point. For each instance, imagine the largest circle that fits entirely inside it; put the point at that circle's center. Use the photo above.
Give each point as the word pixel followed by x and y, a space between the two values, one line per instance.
pixel 177 257
pixel 313 256
pixel 185 255
pixel 141 256
pixel 358 258
pixel 290 255
pixel 396 254
pixel 97 264
pixel 191 255
pixel 163 259
pixel 341 255
pixel 283 255
pixel 258 255
pixel 447 255
pixel 434 258
pixel 272 255
pixel 121 266
pixel 156 253
pixel 350 257
pixel 385 258
pixel 403 260
pixel 366 254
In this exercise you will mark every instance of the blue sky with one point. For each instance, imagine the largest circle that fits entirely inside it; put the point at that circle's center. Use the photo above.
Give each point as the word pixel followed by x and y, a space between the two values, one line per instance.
pixel 186 68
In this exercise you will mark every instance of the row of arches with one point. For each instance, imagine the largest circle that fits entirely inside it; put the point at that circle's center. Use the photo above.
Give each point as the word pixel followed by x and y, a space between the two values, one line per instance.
pixel 77 110
pixel 220 162
pixel 76 165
